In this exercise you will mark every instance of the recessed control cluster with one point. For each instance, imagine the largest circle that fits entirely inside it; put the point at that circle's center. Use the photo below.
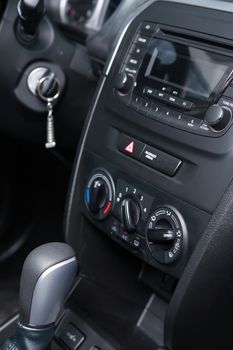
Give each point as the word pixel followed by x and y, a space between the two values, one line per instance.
pixel 128 215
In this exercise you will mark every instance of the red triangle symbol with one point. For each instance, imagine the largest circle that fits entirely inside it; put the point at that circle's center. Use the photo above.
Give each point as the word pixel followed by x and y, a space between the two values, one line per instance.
pixel 130 147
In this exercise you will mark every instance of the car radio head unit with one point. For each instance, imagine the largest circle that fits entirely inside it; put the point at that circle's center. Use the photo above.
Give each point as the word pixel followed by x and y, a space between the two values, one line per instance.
pixel 191 77
pixel 194 73
pixel 183 76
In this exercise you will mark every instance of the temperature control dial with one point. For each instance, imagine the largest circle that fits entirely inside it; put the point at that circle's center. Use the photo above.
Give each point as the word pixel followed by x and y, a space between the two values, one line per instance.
pixel 99 195
pixel 166 234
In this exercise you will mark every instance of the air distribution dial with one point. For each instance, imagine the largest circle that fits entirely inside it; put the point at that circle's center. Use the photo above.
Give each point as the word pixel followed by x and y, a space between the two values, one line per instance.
pixel 218 117
pixel 166 235
pixel 100 195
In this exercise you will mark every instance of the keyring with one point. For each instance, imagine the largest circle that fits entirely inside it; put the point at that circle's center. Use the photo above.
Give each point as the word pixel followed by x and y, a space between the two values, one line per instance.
pixel 40 93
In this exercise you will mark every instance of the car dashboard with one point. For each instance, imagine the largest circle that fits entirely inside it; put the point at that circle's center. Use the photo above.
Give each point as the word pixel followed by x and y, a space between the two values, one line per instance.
pixel 149 211
pixel 154 165
pixel 81 18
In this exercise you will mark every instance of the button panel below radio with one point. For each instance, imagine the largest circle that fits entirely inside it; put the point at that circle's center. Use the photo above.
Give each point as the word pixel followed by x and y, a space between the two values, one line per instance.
pixel 160 161
pixel 130 146
pixel 148 155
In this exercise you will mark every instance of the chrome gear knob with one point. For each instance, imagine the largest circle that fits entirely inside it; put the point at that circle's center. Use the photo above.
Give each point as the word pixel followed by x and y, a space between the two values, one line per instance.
pixel 47 276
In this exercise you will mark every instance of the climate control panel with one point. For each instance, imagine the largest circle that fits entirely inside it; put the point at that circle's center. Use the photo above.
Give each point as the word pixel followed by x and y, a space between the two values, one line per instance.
pixel 133 218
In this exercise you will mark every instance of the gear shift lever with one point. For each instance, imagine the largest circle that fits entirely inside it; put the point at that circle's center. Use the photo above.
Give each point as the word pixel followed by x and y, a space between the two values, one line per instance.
pixel 47 276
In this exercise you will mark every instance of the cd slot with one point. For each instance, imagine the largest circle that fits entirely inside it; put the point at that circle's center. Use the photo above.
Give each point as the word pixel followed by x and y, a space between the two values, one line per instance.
pixel 176 34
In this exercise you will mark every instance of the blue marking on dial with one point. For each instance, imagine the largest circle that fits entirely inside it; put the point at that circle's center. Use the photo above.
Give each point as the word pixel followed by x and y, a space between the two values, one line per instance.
pixel 88 195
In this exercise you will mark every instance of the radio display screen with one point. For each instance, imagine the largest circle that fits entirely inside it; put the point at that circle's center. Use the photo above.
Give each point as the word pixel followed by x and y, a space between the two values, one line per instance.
pixel 193 70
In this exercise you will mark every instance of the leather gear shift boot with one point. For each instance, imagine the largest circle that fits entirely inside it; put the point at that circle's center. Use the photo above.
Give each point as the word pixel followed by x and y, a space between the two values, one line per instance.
pixel 29 338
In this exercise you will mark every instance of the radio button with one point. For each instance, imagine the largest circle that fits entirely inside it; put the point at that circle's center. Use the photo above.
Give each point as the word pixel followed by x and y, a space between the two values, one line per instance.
pixel 173 100
pixel 178 119
pixel 225 102
pixel 145 105
pixel 166 114
pixel 160 95
pixel 204 126
pixel 142 40
pixel 131 70
pixel 137 51
pixel 148 92
pixel 186 105
pixel 190 122
pixel 133 62
pixel 155 111
pixel 175 92
pixel 165 89
pixel 148 28
pixel 135 102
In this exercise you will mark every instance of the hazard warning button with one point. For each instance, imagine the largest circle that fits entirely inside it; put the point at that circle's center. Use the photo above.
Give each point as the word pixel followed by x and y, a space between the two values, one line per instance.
pixel 130 146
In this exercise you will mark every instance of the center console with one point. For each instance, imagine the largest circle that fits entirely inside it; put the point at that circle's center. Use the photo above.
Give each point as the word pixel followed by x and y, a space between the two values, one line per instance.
pixel 157 150
pixel 162 126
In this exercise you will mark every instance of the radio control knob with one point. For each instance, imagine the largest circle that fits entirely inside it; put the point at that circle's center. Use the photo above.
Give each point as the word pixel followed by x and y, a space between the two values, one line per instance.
pixel 130 212
pixel 218 117
pixel 124 83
